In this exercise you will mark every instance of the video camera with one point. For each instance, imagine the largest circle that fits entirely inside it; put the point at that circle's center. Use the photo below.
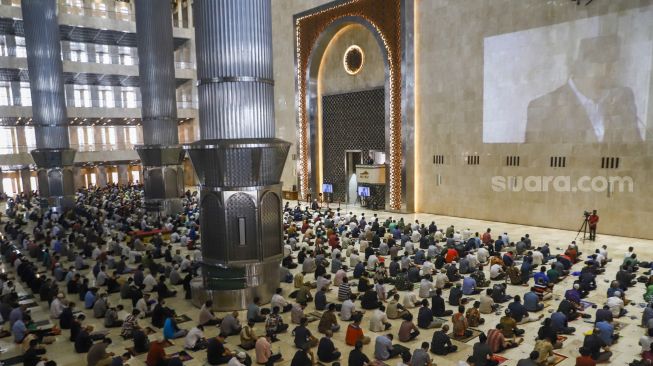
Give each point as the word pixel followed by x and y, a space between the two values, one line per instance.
pixel 587 213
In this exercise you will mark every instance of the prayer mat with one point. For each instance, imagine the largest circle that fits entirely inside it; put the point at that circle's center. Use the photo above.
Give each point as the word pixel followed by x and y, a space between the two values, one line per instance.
pixel 558 358
pixel 183 356
pixel 499 359
pixel 475 333
pixel 442 319
pixel 16 360
pixel 146 330
pixel 131 351
pixel 619 325
pixel 25 297
pixel 41 323
pixel 586 304
pixel 4 333
pixel 317 314
pixel 183 318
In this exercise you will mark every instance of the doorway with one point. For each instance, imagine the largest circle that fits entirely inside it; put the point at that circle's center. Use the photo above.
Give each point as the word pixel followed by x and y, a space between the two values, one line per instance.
pixel 352 158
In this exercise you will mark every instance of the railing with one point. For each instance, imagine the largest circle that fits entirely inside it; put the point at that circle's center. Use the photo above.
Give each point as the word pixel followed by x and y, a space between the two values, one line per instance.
pixel 112 58
pixel 125 14
pixel 95 103
pixel 4 150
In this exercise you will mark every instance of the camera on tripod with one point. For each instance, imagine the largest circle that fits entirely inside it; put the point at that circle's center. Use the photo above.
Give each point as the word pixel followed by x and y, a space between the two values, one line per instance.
pixel 587 213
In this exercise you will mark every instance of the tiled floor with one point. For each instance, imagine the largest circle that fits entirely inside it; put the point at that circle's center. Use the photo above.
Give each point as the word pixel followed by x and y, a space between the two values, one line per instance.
pixel 624 350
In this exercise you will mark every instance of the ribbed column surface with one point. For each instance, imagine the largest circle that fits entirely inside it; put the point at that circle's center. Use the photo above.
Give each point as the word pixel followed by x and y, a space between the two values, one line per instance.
pixel 43 47
pixel 233 40
pixel 156 69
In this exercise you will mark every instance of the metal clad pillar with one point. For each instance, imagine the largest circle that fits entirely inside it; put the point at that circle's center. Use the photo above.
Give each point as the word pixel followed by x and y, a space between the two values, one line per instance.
pixel 53 155
pixel 160 153
pixel 238 161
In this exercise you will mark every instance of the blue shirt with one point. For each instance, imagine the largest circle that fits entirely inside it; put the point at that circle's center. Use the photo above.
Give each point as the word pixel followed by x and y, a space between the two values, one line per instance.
pixel 19 330
pixel 168 329
pixel 607 331
pixel 382 347
pixel 531 300
pixel 558 321
pixel 89 299
pixel 541 276
pixel 469 285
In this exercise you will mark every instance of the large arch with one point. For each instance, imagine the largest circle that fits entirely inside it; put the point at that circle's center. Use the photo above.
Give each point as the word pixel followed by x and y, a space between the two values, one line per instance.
pixel 391 22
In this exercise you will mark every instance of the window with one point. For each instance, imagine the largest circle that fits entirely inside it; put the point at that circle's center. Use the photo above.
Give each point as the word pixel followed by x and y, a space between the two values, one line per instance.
pixel 128 97
pixel 114 177
pixel 106 97
pixel 21 52
pixel 78 52
pixel 3 46
pixel 112 135
pixel 7 140
pixel 5 93
pixel 33 183
pixel 25 95
pixel 30 137
pixel 132 135
pixel 82 96
pixel 136 176
pixel 8 186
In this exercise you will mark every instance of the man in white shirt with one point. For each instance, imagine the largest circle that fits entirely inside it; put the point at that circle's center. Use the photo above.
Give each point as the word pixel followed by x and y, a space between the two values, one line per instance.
pixel 149 282
pixel 467 234
pixel 441 279
pixel 425 287
pixel 482 255
pixel 616 304
pixel 238 359
pixel 496 272
pixel 194 337
pixel 348 309
pixel 372 261
pixel 538 258
pixel 57 306
pixel 410 300
pixel 279 301
pixel 379 320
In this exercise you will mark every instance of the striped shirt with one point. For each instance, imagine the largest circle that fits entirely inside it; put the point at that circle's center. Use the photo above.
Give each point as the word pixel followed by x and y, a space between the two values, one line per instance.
pixel 344 290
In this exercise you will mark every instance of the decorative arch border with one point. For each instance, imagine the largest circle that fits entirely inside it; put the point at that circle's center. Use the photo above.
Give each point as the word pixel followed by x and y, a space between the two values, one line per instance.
pixel 391 21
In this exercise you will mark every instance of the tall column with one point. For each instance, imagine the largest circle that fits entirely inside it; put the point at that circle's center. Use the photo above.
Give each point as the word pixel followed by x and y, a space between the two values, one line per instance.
pixel 25 175
pixel 123 174
pixel 101 176
pixel 238 160
pixel 2 187
pixel 160 153
pixel 53 156
pixel 78 178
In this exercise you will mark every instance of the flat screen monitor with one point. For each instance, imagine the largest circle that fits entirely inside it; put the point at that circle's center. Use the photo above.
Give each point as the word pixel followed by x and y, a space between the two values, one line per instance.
pixel 364 191
pixel 327 188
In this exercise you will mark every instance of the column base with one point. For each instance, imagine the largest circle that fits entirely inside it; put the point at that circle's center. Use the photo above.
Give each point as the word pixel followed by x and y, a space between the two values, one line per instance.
pixel 164 207
pixel 234 287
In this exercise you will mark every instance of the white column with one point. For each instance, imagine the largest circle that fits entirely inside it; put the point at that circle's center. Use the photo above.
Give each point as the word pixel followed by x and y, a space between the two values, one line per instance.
pixel 25 175
pixel 123 174
pixel 101 176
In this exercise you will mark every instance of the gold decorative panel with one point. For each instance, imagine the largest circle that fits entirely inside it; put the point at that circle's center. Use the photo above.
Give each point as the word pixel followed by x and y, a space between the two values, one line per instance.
pixel 384 16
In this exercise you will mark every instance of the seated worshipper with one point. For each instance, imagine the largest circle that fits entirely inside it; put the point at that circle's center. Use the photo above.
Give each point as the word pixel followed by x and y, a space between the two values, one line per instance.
pixel 460 326
pixel 438 306
pixel 616 305
pixel 370 300
pixel 326 350
pixel 559 323
pixel 469 286
pixel 207 317
pixel 509 325
pixel 607 332
pixel 248 337
pixel 395 310
pixel 98 355
pixel 519 313
pixel 328 320
pixel 162 290
pixel 274 324
pixel 594 343
pixel 473 315
pixel 498 342
pixel 303 336
pixel 160 313
pixel 254 311
pixel 357 357
pixel 230 325
pixel 569 309
pixel 355 333
pixel 216 352
pixel 100 306
pixel 171 330
pixel 379 320
pixel 384 349
pixel 303 295
pixel 425 287
pixel 456 296
pixel 499 293
pixel 57 306
pixel 111 317
pixel 441 343
pixel 264 355
pixel 195 340
pixel 279 301
pixel 425 318
pixel 544 349
pixel 496 272
pixel 407 330
pixel 130 324
pixel 532 302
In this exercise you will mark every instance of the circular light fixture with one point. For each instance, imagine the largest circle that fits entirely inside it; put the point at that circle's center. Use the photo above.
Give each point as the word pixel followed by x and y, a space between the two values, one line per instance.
pixel 353 60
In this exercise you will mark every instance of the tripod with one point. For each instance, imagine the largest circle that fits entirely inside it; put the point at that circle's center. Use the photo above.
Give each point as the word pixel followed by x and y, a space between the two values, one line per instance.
pixel 583 228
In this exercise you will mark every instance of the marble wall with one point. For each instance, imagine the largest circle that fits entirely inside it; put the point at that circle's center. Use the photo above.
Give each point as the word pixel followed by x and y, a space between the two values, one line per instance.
pixel 450 41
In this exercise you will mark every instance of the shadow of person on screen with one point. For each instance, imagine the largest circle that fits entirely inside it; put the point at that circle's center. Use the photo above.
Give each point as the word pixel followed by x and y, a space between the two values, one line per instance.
pixel 591 107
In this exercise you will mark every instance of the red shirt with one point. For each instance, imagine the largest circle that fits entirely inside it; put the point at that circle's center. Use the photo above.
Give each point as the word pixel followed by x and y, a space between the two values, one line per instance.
pixel 486 238
pixel 585 361
pixel 156 354
pixel 593 220
pixel 452 255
